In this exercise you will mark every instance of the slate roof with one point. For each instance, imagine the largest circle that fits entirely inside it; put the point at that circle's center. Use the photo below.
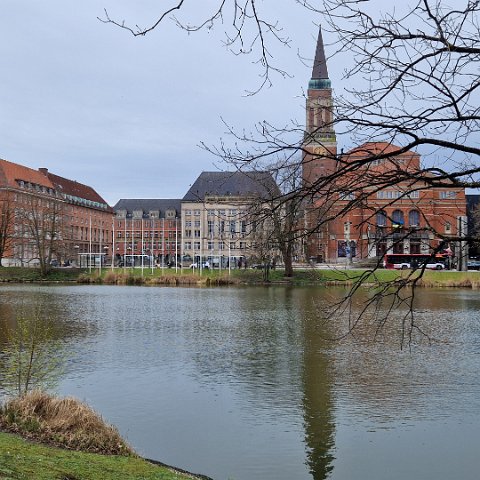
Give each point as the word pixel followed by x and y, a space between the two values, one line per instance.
pixel 148 205
pixel 237 183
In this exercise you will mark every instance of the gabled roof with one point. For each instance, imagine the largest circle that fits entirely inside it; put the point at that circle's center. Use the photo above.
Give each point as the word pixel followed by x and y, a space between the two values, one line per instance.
pixel 72 187
pixel 11 173
pixel 148 205
pixel 235 184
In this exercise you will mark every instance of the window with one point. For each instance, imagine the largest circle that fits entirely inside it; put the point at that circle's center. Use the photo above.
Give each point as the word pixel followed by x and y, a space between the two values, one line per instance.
pixel 232 226
pixel 188 245
pixel 447 194
pixel 244 226
pixel 232 246
pixel 210 226
pixel 188 223
pixel 188 212
pixel 381 219
pixel 210 213
pixel 197 223
pixel 221 245
pixel 197 233
pixel 196 245
pixel 448 227
pixel 188 233
pixel 389 194
pixel 415 194
pixel 397 218
pixel 196 213
pixel 347 196
pixel 210 245
pixel 414 218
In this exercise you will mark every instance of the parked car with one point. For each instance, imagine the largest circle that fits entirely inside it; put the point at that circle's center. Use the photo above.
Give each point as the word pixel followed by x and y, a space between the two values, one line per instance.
pixel 473 265
pixel 435 266
pixel 261 266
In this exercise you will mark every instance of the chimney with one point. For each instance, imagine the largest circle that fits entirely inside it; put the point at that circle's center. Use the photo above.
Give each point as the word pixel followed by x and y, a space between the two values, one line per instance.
pixel 43 170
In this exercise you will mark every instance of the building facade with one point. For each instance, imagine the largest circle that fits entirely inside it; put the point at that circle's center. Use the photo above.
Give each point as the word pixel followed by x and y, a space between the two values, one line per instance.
pixel 147 232
pixel 220 224
pixel 373 199
pixel 47 218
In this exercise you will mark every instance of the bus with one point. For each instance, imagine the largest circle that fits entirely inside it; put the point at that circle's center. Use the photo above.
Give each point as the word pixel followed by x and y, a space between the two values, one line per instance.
pixel 403 261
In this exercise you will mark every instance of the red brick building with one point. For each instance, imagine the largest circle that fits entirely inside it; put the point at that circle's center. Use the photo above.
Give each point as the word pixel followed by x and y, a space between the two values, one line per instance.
pixel 372 199
pixel 147 232
pixel 48 217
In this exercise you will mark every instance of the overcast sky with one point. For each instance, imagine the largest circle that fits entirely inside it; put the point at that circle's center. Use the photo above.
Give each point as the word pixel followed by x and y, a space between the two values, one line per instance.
pixel 125 115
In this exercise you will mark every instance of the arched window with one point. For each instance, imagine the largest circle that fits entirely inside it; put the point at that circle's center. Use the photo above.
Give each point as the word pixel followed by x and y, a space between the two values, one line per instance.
pixel 397 218
pixel 381 219
pixel 414 218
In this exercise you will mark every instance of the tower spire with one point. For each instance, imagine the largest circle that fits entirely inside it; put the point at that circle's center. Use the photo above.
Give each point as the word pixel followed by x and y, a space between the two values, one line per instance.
pixel 320 80
pixel 319 70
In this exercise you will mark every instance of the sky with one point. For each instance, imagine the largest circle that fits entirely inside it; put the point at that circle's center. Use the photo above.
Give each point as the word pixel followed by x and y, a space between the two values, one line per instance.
pixel 126 115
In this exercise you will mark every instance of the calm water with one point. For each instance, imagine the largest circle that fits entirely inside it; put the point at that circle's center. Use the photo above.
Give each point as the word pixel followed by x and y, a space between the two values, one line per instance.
pixel 244 383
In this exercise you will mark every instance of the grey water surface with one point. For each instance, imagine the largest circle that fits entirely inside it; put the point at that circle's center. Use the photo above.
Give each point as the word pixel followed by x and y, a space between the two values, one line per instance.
pixel 248 383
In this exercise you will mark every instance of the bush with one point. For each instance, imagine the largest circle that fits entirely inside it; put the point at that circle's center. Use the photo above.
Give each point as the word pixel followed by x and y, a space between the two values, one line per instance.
pixel 62 422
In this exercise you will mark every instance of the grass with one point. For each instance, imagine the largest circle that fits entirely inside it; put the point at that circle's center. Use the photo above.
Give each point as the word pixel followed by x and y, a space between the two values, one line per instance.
pixel 322 277
pixel 45 437
pixel 23 460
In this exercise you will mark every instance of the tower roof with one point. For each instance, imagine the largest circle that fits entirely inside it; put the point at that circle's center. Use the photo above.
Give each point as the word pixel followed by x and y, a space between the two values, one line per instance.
pixel 319 78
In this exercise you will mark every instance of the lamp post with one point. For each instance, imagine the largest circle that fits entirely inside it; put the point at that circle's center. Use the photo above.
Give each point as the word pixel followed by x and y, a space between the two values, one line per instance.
pixel 77 249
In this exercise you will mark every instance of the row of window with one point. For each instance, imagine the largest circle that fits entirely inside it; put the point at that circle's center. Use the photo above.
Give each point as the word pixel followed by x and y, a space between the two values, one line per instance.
pixel 216 245
pixel 137 234
pixel 232 212
pixel 398 218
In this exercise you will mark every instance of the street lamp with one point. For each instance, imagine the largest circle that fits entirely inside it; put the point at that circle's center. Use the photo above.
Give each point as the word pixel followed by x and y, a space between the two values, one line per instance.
pixel 77 248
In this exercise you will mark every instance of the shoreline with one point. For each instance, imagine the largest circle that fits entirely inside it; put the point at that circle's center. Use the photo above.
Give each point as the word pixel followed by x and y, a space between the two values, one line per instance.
pixel 324 277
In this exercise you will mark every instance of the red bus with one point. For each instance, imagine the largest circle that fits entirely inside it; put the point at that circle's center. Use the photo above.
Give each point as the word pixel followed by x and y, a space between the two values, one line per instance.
pixel 403 261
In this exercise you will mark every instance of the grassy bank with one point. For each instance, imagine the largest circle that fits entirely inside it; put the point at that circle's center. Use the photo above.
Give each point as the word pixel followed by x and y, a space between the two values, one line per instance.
pixel 45 437
pixel 22 459
pixel 323 277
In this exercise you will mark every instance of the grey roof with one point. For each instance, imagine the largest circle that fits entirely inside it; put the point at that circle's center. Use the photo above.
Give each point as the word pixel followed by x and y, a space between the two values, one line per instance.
pixel 238 183
pixel 320 64
pixel 148 205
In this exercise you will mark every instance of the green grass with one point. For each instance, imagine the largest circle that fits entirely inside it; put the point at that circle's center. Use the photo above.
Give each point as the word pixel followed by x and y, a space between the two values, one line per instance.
pixel 23 460
pixel 166 276
pixel 22 274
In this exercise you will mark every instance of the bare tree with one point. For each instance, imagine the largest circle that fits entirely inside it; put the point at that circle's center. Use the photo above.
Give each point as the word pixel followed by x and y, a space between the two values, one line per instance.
pixel 414 70
pixel 6 224
pixel 41 237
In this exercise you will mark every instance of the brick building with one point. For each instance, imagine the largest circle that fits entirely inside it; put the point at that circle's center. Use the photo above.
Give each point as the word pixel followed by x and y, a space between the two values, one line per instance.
pixel 147 232
pixel 50 218
pixel 370 200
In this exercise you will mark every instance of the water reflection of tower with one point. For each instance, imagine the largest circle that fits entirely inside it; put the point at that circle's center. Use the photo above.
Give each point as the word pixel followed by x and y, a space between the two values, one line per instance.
pixel 318 402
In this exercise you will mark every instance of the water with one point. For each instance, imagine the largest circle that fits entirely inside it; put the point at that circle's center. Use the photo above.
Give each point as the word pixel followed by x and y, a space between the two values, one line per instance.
pixel 245 383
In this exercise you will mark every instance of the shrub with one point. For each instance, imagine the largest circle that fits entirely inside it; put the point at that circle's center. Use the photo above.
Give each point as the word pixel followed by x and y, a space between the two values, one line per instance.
pixel 63 422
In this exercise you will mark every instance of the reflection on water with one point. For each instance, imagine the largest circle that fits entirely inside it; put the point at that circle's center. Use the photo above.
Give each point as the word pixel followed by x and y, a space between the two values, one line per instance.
pixel 241 383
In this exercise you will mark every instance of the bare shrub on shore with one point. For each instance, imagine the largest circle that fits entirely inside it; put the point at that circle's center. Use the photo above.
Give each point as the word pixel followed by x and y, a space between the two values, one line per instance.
pixel 62 422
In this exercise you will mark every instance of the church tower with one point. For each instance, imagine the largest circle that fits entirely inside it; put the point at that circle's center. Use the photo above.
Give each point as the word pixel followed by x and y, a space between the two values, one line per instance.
pixel 320 143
